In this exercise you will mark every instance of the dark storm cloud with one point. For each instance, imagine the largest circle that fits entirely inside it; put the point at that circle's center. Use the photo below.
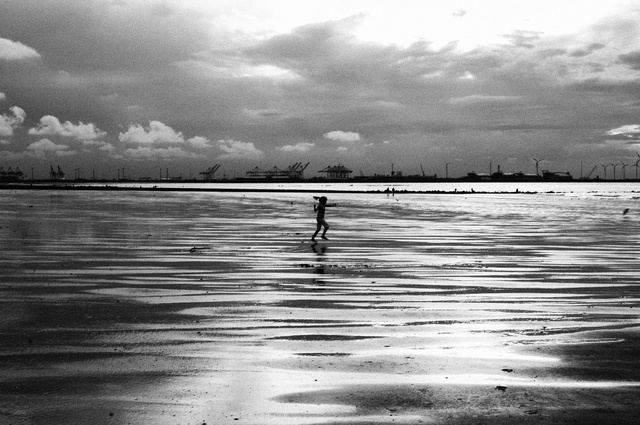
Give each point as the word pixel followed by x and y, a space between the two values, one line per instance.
pixel 587 51
pixel 631 59
pixel 330 55
pixel 381 89
pixel 549 53
pixel 608 86
pixel 96 35
pixel 424 91
pixel 87 49
pixel 98 61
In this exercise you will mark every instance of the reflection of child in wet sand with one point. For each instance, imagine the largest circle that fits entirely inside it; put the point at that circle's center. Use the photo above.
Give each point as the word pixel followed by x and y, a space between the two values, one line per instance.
pixel 319 208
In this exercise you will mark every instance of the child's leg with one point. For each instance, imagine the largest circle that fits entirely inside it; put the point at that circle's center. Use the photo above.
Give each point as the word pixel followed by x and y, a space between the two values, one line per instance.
pixel 317 230
pixel 326 227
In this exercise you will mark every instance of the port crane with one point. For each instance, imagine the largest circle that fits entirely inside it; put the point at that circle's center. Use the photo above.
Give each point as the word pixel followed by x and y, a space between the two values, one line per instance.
pixel 295 171
pixel 209 173
pixel 591 172
pixel 56 175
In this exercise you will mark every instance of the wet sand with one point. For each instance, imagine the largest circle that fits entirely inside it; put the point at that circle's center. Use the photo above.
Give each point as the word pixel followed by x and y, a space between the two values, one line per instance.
pixel 191 308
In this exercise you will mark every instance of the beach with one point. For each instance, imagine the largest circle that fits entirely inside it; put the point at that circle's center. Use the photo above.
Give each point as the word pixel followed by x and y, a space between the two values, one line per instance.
pixel 174 307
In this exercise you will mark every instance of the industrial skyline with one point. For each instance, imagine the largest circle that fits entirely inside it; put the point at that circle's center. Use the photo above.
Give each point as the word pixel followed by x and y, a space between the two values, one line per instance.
pixel 296 172
pixel 439 87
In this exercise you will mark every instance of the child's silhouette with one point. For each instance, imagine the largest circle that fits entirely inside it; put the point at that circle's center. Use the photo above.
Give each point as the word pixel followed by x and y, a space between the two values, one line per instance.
pixel 319 208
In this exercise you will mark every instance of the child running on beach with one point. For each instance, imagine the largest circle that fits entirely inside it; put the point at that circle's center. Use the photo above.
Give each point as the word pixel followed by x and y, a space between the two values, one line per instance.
pixel 319 208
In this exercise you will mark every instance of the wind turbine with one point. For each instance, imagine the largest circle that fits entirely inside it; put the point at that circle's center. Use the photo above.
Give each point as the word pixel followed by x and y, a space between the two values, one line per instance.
pixel 614 170
pixel 537 162
pixel 605 170
pixel 624 166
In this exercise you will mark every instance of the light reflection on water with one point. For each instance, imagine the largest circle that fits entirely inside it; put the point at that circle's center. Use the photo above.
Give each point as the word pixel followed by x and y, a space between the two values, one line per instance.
pixel 432 277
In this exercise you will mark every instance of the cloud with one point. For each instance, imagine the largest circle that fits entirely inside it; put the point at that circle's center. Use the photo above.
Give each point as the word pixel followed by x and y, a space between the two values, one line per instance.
pixel 625 132
pixel 19 114
pixel 524 38
pixel 51 126
pixel 156 133
pixel 106 147
pixel 43 147
pixel 594 47
pixel 105 35
pixel 331 62
pixel 12 156
pixel 300 147
pixel 199 142
pixel 262 113
pixel 97 144
pixel 467 76
pixel 154 143
pixel 632 59
pixel 459 13
pixel 235 149
pixel 14 50
pixel 308 43
pixel 631 128
pixel 342 136
pixel 478 98
pixel 148 153
pixel 8 122
pixel 2 96
pixel 232 83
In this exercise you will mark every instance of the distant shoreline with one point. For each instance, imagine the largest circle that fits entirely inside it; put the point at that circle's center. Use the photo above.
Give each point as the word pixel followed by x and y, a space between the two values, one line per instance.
pixel 72 186
pixel 388 187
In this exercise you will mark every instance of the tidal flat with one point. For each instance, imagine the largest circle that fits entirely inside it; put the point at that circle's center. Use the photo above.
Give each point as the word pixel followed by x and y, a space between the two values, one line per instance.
pixel 177 307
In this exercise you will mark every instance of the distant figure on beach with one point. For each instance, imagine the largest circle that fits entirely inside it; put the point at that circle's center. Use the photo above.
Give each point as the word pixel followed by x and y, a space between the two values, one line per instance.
pixel 319 208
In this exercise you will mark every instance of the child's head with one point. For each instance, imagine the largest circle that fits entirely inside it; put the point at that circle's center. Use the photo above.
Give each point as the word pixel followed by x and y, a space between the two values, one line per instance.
pixel 323 200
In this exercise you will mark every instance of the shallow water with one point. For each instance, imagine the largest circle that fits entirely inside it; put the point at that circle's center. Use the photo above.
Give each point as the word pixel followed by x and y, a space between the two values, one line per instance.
pixel 211 307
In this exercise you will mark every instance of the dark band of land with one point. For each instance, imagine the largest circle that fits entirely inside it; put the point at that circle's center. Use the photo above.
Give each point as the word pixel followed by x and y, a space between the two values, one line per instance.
pixel 175 187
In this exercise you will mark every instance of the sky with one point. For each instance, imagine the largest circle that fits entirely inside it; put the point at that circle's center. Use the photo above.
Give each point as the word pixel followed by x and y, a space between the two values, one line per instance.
pixel 146 86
